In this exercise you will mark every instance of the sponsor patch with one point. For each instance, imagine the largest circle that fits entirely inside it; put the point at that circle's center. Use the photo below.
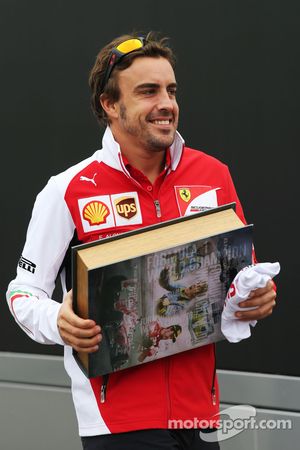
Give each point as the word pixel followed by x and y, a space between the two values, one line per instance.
pixel 26 264
pixel 192 199
pixel 126 208
pixel 96 213
pixel 185 194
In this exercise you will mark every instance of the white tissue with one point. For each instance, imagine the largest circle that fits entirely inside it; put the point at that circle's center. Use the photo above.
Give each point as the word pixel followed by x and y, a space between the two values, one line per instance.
pixel 247 280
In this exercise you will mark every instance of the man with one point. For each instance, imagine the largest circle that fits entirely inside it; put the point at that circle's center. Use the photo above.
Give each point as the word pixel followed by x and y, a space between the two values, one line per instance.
pixel 143 163
pixel 152 334
pixel 178 297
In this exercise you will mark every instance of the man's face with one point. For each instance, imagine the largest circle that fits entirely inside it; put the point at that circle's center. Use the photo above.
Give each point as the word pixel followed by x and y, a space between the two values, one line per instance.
pixel 195 289
pixel 167 333
pixel 147 111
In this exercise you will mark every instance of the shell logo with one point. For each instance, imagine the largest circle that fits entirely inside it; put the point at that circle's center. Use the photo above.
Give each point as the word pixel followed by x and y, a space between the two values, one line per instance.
pixel 95 212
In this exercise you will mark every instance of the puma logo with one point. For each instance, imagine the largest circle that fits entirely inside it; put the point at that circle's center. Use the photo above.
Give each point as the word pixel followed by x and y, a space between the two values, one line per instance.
pixel 92 180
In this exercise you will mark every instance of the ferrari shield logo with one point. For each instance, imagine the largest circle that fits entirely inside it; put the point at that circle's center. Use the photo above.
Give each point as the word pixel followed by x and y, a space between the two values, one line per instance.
pixel 185 194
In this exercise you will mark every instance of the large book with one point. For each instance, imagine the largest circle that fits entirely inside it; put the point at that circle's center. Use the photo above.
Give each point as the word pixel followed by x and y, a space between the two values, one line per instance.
pixel 159 290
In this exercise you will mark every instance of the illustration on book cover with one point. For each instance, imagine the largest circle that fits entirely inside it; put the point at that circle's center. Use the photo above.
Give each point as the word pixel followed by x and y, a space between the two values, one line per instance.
pixel 167 302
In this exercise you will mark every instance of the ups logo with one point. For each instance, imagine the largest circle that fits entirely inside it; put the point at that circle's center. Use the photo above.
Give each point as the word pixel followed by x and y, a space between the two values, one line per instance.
pixel 126 207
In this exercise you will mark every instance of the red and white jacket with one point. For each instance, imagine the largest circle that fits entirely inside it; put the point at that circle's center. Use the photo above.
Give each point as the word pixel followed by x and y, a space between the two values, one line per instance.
pixel 100 197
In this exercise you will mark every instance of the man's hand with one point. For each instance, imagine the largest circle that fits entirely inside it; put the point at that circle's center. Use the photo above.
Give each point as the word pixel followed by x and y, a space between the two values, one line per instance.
pixel 264 301
pixel 81 334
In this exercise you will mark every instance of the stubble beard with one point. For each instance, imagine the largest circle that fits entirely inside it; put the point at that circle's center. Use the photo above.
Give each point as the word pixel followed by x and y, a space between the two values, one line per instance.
pixel 150 141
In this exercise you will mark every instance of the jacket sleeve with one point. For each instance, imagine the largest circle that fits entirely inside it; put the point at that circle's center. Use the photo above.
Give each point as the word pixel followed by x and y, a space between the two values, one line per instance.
pixel 48 236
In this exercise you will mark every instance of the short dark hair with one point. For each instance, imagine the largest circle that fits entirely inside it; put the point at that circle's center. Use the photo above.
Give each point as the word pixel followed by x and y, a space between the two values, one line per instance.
pixel 155 47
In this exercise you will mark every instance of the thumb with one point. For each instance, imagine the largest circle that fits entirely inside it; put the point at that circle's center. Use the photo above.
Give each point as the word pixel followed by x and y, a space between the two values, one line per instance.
pixel 68 299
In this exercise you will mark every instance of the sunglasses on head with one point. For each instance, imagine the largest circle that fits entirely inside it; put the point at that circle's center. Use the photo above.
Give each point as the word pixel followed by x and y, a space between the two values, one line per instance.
pixel 128 46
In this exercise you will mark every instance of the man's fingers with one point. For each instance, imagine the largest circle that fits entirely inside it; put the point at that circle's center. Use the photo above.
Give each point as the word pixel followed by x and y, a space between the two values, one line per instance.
pixel 261 291
pixel 263 307
pixel 85 344
pixel 81 334
pixel 76 321
pixel 262 300
pixel 68 315
pixel 259 300
pixel 82 344
pixel 258 313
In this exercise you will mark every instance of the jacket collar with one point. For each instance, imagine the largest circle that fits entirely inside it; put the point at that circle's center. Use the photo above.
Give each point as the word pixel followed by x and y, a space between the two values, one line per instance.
pixel 111 152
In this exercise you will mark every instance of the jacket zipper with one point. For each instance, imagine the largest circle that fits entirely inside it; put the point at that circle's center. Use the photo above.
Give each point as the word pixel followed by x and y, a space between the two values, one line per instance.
pixel 103 388
pixel 157 208
pixel 156 202
pixel 213 388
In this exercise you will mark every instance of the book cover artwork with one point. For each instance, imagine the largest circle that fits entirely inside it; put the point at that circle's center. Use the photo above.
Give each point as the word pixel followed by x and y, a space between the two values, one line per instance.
pixel 166 302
